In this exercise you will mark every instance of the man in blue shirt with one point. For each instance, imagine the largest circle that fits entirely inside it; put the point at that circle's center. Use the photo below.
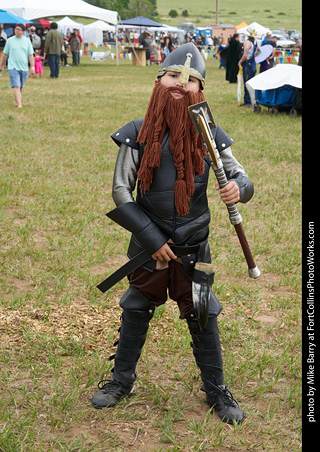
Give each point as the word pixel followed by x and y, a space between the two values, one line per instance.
pixel 20 52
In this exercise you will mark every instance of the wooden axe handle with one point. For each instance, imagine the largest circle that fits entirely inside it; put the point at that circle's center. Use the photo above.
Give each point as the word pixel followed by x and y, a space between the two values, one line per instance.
pixel 234 215
pixel 253 270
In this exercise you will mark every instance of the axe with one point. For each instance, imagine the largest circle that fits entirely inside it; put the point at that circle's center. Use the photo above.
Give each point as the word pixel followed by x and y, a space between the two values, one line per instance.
pixel 201 117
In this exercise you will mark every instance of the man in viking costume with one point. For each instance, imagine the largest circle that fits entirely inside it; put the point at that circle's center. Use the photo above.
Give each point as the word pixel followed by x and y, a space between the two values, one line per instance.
pixel 169 218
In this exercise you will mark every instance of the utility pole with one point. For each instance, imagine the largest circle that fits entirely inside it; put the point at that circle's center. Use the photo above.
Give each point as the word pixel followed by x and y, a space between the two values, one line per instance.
pixel 217 11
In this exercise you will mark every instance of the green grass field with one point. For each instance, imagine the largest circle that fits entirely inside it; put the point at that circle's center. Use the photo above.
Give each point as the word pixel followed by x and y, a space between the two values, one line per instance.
pixel 272 14
pixel 57 329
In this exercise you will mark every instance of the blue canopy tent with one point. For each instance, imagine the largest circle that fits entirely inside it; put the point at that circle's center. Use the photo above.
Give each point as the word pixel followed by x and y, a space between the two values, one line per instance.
pixel 140 21
pixel 8 18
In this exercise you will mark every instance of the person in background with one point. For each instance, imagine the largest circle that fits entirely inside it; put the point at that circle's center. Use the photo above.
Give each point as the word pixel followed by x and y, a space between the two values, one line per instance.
pixel 158 54
pixel 38 64
pixel 35 39
pixel 42 34
pixel 248 63
pixel 233 56
pixel 64 52
pixel 75 48
pixel 223 52
pixel 268 62
pixel 273 43
pixel 19 52
pixel 52 49
pixel 266 38
pixel 199 42
pixel 76 31
pixel 3 40
pixel 145 42
pixel 209 42
pixel 136 38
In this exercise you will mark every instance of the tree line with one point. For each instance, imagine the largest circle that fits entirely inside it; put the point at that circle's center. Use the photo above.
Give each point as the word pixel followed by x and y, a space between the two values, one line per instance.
pixel 129 8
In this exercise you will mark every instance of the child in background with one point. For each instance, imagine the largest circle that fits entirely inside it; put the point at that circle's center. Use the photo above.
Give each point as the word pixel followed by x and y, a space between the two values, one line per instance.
pixel 75 48
pixel 64 52
pixel 136 38
pixel 158 57
pixel 38 67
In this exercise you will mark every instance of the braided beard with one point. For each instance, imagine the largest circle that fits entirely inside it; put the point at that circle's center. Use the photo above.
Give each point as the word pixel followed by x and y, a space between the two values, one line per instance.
pixel 185 144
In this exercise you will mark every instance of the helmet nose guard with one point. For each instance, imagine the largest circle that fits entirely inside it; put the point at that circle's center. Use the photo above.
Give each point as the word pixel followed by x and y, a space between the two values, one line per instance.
pixel 186 60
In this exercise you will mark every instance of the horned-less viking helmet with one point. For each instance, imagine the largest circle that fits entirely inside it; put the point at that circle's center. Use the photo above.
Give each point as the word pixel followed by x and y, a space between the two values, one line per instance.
pixel 186 60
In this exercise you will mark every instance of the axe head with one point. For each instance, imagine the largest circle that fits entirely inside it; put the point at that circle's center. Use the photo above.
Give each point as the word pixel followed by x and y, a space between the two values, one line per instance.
pixel 203 109
pixel 203 122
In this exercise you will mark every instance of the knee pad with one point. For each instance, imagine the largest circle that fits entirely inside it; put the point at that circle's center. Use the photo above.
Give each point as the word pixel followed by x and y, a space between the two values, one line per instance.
pixel 134 301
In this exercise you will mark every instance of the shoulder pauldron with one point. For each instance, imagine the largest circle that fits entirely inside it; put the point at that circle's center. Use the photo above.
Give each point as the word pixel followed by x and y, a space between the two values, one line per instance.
pixel 128 134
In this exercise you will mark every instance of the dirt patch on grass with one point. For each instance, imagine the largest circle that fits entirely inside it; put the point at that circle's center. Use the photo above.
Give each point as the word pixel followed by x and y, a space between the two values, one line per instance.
pixel 167 410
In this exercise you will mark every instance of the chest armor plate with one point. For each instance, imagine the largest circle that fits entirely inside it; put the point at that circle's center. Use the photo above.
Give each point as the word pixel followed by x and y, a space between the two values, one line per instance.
pixel 159 200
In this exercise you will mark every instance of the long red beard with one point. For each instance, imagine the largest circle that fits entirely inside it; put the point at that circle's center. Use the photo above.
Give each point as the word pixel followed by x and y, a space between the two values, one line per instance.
pixel 185 144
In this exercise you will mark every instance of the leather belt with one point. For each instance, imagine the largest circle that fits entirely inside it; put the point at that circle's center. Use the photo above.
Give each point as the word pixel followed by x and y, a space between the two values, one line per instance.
pixel 139 260
pixel 184 250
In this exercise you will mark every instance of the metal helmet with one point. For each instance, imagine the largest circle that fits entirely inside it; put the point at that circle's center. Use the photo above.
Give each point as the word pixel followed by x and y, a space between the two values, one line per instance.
pixel 186 60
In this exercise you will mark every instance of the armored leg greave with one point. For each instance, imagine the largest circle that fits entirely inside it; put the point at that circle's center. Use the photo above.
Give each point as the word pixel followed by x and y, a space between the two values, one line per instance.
pixel 133 333
pixel 207 351
pixel 137 313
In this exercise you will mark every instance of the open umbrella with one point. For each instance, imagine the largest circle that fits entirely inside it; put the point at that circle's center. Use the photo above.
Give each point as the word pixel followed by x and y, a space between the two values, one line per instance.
pixel 8 18
pixel 40 23
pixel 266 51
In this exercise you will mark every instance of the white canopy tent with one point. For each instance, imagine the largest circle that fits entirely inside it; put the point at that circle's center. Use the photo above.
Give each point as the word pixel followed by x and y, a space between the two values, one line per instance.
pixel 166 29
pixel 260 30
pixel 36 9
pixel 94 32
pixel 67 25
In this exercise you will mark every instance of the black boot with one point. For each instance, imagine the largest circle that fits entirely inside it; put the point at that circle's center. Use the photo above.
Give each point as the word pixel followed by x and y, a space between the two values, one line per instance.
pixel 110 392
pixel 133 333
pixel 221 399
pixel 207 352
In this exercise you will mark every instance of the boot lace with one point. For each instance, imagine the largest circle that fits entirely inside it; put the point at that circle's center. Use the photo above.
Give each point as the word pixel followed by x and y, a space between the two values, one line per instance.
pixel 228 397
pixel 223 392
pixel 112 387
